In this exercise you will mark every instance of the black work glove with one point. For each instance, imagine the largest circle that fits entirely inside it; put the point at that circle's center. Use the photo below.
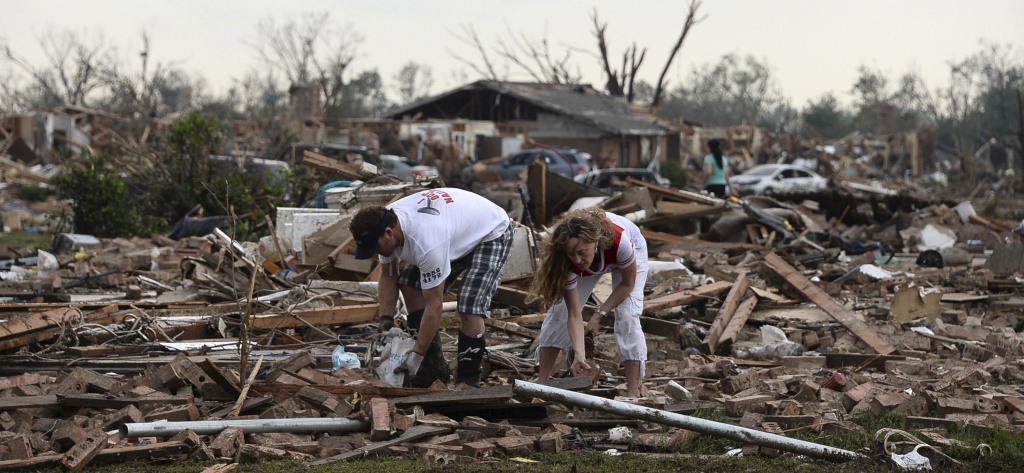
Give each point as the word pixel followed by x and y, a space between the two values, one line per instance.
pixel 386 323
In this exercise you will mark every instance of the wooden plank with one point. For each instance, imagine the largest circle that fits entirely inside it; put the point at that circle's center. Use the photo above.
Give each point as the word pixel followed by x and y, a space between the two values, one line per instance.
pixel 512 328
pixel 156 451
pixel 354 314
pixel 486 394
pixel 725 313
pixel 322 162
pixel 526 319
pixel 739 318
pixel 659 192
pixel 28 402
pixel 670 207
pixel 841 314
pixel 685 297
pixel 415 433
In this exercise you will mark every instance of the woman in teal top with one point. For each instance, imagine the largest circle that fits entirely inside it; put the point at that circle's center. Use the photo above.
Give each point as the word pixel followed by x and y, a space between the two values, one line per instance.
pixel 716 168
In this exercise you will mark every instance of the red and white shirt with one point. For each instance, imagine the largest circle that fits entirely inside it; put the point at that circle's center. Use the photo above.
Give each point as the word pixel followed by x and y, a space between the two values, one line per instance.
pixel 627 242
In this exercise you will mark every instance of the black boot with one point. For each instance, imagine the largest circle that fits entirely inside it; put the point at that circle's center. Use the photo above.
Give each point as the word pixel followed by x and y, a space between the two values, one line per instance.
pixel 471 355
pixel 434 366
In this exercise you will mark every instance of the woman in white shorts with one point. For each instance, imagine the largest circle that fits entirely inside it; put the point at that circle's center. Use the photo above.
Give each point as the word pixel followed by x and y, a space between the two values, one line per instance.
pixel 583 245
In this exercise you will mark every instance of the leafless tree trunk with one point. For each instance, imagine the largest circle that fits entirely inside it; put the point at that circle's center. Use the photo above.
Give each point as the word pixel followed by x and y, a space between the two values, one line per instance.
pixel 691 19
pixel 620 83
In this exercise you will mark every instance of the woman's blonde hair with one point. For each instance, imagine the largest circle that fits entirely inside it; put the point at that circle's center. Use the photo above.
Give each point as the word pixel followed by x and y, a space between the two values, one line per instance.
pixel 589 225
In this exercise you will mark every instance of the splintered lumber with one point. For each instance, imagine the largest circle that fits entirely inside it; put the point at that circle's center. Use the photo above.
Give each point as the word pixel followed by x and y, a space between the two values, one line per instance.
pixel 685 297
pixel 725 313
pixel 739 318
pixel 353 314
pixel 245 390
pixel 34 328
pixel 320 161
pixel 842 315
pixel 512 328
pixel 659 193
pixel 415 433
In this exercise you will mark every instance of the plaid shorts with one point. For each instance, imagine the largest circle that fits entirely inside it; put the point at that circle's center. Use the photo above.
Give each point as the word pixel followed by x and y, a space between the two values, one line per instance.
pixel 482 266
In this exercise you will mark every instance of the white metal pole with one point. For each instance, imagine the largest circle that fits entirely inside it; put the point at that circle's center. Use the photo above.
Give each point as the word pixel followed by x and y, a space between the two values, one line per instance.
pixel 718 429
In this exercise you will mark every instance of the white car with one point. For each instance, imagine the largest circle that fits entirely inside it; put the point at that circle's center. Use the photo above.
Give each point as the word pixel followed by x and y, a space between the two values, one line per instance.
pixel 400 168
pixel 778 179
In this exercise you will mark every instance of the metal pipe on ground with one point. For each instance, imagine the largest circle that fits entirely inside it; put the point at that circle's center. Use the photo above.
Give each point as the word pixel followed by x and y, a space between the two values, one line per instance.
pixel 718 429
pixel 248 426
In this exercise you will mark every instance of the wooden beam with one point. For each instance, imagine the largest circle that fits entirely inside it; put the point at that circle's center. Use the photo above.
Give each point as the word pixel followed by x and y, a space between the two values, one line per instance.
pixel 322 162
pixel 725 313
pixel 739 318
pixel 842 315
pixel 685 297
pixel 346 315
pixel 512 328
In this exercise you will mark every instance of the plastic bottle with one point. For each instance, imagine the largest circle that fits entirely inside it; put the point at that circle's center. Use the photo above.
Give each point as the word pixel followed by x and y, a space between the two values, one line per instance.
pixel 343 359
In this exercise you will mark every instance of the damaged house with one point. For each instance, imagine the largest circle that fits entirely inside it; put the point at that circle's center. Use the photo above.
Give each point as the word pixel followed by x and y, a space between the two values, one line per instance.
pixel 557 115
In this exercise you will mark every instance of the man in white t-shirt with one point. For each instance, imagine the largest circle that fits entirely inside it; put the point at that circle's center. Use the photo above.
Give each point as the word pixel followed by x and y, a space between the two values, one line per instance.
pixel 440 233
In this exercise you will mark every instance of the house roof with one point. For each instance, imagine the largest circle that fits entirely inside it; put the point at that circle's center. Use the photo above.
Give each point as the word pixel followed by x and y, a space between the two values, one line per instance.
pixel 575 101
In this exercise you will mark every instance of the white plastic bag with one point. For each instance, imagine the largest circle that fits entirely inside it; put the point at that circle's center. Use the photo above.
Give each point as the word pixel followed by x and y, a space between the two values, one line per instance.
pixel 394 352
pixel 47 262
pixel 344 359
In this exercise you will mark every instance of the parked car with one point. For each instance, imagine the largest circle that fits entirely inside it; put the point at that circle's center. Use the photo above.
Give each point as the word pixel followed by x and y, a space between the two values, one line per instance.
pixel 778 179
pixel 615 179
pixel 566 162
pixel 400 168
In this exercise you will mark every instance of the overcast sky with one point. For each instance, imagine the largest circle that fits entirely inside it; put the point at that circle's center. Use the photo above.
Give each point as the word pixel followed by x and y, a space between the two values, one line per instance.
pixel 813 46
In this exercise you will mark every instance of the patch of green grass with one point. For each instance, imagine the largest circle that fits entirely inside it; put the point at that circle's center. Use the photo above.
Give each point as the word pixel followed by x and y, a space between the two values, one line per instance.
pixel 26 240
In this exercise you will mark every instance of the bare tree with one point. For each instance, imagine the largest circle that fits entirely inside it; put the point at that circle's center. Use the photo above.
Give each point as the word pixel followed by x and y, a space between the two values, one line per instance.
pixel 691 19
pixel 534 57
pixel 618 82
pixel 311 50
pixel 621 82
pixel 414 82
pixel 73 69
pixel 487 71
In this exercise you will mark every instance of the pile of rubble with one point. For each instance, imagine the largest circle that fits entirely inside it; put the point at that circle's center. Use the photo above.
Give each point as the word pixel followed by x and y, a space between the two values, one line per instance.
pixel 788 317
